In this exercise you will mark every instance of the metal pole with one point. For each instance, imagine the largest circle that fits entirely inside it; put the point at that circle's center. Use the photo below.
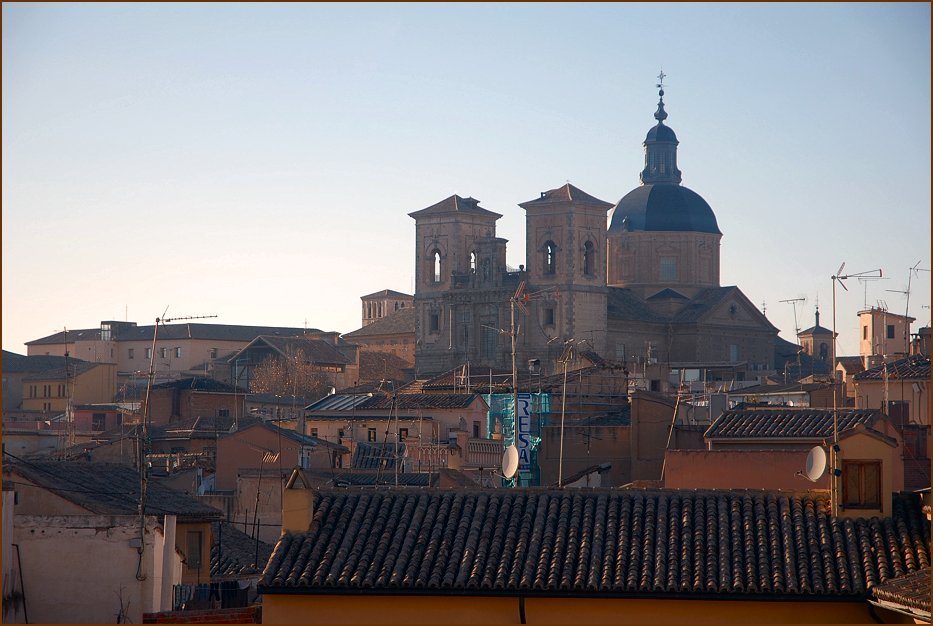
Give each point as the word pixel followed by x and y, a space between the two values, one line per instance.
pixel 563 405
pixel 833 488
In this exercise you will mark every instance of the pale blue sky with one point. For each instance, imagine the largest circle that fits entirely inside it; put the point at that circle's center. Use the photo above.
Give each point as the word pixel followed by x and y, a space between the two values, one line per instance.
pixel 258 162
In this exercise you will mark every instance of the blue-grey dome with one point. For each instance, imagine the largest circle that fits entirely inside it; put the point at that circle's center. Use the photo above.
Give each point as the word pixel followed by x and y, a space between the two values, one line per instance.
pixel 661 133
pixel 663 207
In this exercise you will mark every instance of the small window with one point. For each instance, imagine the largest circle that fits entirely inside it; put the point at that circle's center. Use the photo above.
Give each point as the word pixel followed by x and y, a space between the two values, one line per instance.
pixel 890 331
pixel 213 353
pixel 864 332
pixel 314 432
pixel 668 268
pixel 402 434
pixel 223 412
pixel 163 353
pixel 476 430
pixel 193 553
pixel 589 258
pixel 472 261
pixel 550 258
pixel 549 316
pixel 436 265
pixel 177 353
pixel 370 434
pixel 99 421
pixel 861 484
pixel 340 434
pixel 131 353
pixel 434 322
pixel 148 353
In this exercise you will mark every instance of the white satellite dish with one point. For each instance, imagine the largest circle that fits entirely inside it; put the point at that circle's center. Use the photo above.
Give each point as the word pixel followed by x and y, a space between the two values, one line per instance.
pixel 816 463
pixel 510 461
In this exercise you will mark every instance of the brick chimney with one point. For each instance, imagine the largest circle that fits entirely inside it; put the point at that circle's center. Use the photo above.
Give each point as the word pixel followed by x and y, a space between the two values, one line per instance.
pixel 297 503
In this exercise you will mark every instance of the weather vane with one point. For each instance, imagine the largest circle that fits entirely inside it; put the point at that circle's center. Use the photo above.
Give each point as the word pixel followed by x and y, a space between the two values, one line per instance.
pixel 661 79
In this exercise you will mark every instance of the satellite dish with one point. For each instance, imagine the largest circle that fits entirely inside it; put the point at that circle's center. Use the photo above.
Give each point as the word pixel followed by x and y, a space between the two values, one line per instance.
pixel 510 461
pixel 816 463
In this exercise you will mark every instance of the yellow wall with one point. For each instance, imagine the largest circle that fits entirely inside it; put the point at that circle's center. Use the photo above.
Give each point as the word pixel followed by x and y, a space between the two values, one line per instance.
pixel 311 609
pixel 864 446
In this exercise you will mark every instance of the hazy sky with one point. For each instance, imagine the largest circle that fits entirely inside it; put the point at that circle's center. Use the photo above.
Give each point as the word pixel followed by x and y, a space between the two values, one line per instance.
pixel 258 162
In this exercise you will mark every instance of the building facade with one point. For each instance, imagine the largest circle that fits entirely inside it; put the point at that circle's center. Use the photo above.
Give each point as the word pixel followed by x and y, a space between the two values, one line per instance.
pixel 643 288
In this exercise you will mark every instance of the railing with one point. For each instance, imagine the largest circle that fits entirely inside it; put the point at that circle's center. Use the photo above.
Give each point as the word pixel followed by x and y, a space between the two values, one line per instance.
pixel 221 595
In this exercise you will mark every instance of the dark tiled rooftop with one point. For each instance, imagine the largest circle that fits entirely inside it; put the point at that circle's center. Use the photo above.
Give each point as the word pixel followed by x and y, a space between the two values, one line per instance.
pixel 377 456
pixel 222 332
pixel 74 368
pixel 787 423
pixel 566 193
pixel 315 350
pixel 910 592
pixel 109 489
pixel 233 553
pixel 199 384
pixel 600 542
pixel 13 362
pixel 455 204
pixel 386 293
pixel 913 367
pixel 384 401
pixel 624 305
pixel 400 322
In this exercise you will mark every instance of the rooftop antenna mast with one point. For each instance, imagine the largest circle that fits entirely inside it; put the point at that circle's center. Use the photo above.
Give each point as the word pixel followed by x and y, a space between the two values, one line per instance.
pixel 143 438
pixel 865 280
pixel 838 277
pixel 793 302
pixel 915 270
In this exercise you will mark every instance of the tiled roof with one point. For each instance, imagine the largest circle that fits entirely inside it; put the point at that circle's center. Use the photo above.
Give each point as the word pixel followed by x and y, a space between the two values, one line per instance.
pixel 233 554
pixel 388 293
pixel 668 294
pixel 379 366
pixel 797 423
pixel 199 383
pixel 384 401
pixel 910 368
pixel 704 302
pixel 200 427
pixel 910 592
pixel 784 388
pixel 467 377
pixel 566 193
pixel 339 402
pixel 610 543
pixel 853 364
pixel 315 350
pixel 815 330
pixel 401 322
pixel 405 479
pixel 292 435
pixel 74 368
pixel 376 456
pixel 624 305
pixel 221 332
pixel 13 362
pixel 110 489
pixel 455 204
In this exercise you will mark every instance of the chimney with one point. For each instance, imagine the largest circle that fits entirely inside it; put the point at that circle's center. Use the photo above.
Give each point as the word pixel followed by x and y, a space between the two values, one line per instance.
pixel 297 503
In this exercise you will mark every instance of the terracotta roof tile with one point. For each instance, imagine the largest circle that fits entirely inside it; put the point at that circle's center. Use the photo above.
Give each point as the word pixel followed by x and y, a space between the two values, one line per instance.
pixel 803 423
pixel 605 542
pixel 909 592
pixel 913 367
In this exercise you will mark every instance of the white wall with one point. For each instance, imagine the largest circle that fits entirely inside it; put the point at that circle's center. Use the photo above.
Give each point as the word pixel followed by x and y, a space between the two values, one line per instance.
pixel 82 568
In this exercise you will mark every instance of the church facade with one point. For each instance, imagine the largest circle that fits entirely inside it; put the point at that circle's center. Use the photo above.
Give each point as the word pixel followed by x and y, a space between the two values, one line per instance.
pixel 641 287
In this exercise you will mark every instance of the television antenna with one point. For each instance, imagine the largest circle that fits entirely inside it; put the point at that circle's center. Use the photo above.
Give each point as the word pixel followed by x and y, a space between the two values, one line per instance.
pixel 839 277
pixel 913 271
pixel 143 434
pixel 865 280
pixel 793 302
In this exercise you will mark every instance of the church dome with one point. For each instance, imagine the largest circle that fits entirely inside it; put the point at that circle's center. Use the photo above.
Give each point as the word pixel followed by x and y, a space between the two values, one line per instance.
pixel 661 133
pixel 663 207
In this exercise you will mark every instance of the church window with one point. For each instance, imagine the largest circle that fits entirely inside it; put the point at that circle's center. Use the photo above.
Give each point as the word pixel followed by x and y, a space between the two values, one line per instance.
pixel 436 265
pixel 434 322
pixel 490 335
pixel 668 268
pixel 824 351
pixel 733 352
pixel 472 261
pixel 589 258
pixel 548 316
pixel 550 258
